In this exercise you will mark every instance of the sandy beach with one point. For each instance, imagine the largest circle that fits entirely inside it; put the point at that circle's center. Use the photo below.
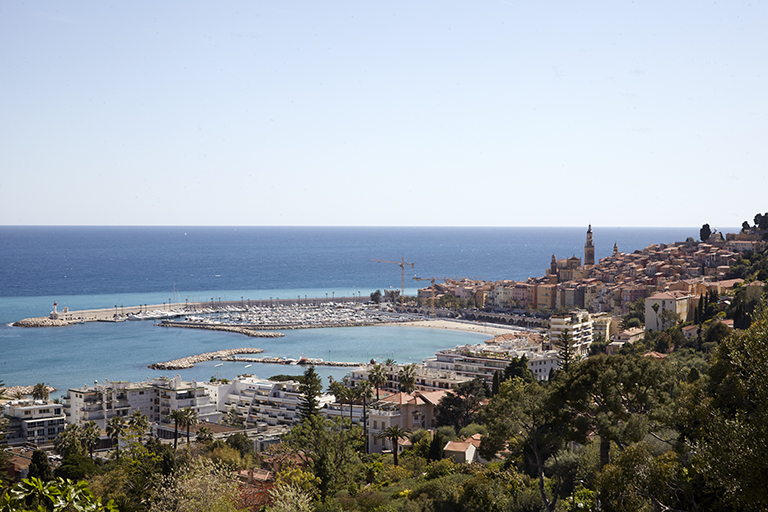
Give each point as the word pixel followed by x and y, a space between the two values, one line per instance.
pixel 490 330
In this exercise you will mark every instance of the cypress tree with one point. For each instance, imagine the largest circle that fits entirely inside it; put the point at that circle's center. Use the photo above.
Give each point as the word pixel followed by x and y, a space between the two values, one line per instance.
pixel 310 389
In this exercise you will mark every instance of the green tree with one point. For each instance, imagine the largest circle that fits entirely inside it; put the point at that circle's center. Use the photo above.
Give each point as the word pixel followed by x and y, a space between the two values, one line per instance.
pixel 68 442
pixel 725 421
pixel 518 367
pixel 39 467
pixel 407 378
pixel 620 398
pixel 527 419
pixel 328 447
pixel 376 297
pixel 90 434
pixel 638 480
pixel 394 433
pixel 40 391
pixel 201 485
pixel 310 389
pixel 59 494
pixel 138 423
pixel 364 394
pixel 460 406
pixel 204 435
pixel 233 419
pixel 177 415
pixel 116 429
pixel 189 418
pixel 566 352
pixel 377 376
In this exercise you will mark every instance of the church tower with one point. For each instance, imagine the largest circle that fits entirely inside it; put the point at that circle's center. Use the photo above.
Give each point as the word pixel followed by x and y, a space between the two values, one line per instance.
pixel 589 249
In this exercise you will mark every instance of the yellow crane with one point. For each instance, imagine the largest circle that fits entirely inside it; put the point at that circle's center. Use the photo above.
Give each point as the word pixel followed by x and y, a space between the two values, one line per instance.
pixel 432 285
pixel 402 263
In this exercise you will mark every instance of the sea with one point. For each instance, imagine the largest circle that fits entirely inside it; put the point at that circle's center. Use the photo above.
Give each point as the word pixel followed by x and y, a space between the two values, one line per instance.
pixel 86 267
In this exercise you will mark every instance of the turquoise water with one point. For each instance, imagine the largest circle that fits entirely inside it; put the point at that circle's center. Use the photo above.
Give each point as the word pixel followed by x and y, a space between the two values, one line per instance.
pixel 104 267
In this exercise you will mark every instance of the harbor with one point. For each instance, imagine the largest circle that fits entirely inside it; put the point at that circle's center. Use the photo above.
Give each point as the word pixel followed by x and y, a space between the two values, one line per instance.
pixel 277 313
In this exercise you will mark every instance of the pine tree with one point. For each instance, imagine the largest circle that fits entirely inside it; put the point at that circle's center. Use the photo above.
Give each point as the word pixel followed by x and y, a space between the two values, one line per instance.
pixel 310 389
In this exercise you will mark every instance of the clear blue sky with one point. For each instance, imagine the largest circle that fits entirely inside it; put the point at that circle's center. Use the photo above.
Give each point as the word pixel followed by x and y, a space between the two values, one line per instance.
pixel 394 113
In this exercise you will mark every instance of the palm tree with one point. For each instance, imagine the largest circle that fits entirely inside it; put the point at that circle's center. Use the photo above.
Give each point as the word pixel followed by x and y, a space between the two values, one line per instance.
pixel 89 436
pixel 139 423
pixel 364 393
pixel 68 441
pixel 394 433
pixel 40 391
pixel 2 390
pixel 378 378
pixel 189 418
pixel 177 415
pixel 204 435
pixel 407 378
pixel 115 430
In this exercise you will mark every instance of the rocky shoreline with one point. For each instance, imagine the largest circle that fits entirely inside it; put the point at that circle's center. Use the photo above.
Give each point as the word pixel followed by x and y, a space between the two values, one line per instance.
pixel 12 391
pixel 42 322
pixel 188 362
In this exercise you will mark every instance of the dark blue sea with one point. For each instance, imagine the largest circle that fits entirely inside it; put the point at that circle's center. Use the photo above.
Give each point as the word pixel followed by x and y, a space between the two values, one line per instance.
pixel 104 267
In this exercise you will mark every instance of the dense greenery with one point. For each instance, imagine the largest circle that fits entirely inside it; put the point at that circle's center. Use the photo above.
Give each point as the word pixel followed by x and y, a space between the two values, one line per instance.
pixel 612 433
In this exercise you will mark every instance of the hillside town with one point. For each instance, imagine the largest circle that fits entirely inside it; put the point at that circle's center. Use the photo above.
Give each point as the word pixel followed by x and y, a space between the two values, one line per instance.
pixel 577 309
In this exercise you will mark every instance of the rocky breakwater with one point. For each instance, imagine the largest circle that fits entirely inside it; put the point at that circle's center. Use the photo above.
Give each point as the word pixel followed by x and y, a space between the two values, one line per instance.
pixel 210 326
pixel 189 362
pixel 42 321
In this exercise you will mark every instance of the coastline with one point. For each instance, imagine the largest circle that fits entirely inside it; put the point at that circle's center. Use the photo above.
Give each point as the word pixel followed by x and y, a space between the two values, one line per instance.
pixel 453 325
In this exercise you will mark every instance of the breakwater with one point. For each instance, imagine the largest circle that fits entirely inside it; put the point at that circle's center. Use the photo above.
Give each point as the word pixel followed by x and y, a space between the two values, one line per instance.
pixel 189 362
pixel 238 329
pixel 284 360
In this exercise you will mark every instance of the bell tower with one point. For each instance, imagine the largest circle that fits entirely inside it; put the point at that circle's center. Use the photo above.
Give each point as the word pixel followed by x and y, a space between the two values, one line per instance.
pixel 589 248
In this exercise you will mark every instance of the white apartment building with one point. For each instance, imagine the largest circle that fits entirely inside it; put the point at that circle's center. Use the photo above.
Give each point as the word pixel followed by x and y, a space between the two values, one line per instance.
pixel 579 324
pixel 471 361
pixel 262 402
pixel 155 398
pixel 427 379
pixel 34 421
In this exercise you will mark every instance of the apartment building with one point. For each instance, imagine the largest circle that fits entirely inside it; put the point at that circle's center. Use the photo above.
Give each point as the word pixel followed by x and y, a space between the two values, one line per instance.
pixel 484 360
pixel 34 421
pixel 579 324
pixel 155 398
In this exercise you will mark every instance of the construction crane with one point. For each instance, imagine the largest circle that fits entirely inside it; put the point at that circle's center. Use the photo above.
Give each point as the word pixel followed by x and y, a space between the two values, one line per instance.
pixel 432 285
pixel 402 263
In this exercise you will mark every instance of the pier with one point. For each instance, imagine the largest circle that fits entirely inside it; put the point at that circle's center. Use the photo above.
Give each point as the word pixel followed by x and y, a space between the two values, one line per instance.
pixel 189 362
pixel 171 310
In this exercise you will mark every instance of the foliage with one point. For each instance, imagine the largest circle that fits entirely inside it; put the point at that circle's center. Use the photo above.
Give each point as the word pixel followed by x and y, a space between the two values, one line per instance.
pixel 407 378
pixel 39 467
pixel 40 391
pixel 726 422
pixel 69 441
pixel 285 378
pixel 459 407
pixel 394 433
pixel 290 497
pixel 201 485
pixel 376 296
pixel 518 367
pixel 526 418
pixel 57 495
pixel 377 376
pixel 566 353
pixel 310 389
pixel 619 397
pixel 637 480
pixel 328 448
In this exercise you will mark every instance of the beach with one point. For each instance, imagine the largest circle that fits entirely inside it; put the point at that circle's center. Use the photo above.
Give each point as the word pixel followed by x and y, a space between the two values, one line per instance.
pixel 453 325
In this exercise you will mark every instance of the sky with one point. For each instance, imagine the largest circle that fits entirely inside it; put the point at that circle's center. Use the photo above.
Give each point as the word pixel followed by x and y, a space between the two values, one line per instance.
pixel 383 113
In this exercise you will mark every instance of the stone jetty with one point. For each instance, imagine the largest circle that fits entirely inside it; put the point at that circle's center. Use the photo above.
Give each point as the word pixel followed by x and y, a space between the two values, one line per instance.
pixel 189 362
pixel 283 360
pixel 239 329
pixel 13 391
pixel 42 322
